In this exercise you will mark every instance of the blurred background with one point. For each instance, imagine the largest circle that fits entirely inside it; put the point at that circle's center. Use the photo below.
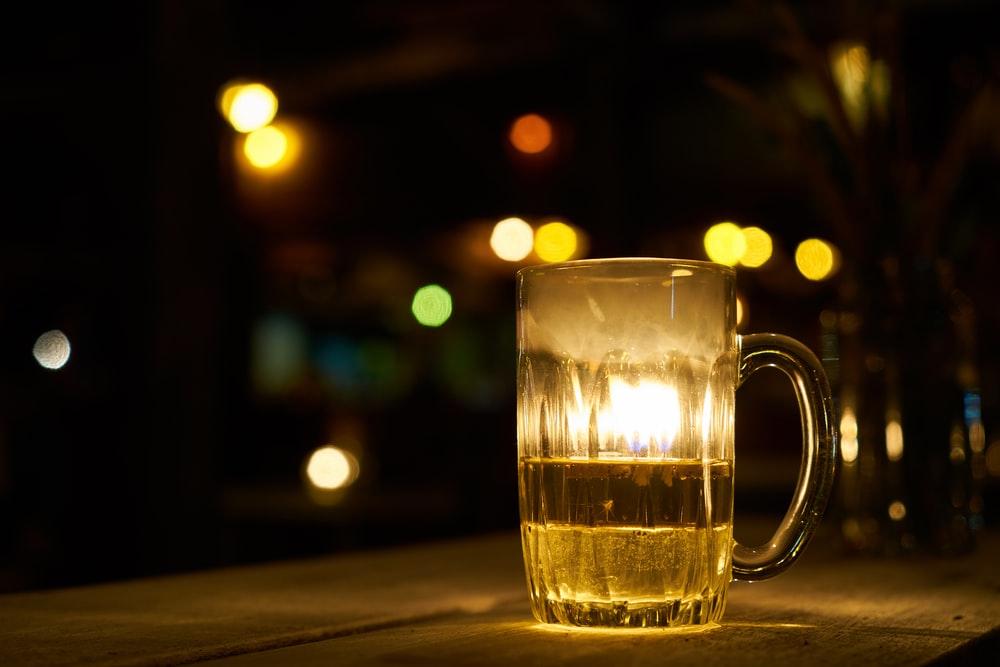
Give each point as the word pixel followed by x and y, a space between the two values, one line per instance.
pixel 257 258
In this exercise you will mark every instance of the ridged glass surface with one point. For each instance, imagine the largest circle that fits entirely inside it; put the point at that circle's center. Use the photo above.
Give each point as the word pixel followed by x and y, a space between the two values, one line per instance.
pixel 627 543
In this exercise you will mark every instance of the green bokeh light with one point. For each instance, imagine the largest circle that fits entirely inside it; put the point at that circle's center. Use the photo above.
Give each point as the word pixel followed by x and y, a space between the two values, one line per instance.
pixel 431 305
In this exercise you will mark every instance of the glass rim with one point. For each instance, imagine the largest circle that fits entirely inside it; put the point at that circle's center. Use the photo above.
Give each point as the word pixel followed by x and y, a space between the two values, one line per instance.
pixel 596 262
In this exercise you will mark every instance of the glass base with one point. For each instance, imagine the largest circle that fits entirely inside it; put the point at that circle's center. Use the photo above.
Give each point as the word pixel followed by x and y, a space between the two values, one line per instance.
pixel 690 612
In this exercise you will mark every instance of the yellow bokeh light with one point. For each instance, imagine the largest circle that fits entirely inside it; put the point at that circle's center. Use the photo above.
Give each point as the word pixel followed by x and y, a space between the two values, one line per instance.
pixel 758 247
pixel 431 305
pixel 897 510
pixel 894 439
pixel 330 468
pixel 266 147
pixel 248 106
pixel 816 259
pixel 977 437
pixel 848 436
pixel 512 239
pixel 555 242
pixel 224 100
pixel 725 243
pixel 879 86
pixel 850 64
pixel 531 133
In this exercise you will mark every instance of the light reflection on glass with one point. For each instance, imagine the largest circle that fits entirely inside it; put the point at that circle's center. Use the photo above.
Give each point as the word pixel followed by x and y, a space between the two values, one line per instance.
pixel 707 413
pixel 647 414
pixel 645 417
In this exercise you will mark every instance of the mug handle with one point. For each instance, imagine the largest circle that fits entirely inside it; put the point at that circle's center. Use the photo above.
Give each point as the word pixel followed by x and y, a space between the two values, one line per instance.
pixel 819 452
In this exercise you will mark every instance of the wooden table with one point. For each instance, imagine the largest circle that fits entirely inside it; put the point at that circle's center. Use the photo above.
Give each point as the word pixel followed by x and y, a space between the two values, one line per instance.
pixel 465 602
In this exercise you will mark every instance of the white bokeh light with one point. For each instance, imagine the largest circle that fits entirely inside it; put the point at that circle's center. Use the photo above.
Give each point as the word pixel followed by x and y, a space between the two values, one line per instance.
pixel 331 468
pixel 52 349
pixel 512 239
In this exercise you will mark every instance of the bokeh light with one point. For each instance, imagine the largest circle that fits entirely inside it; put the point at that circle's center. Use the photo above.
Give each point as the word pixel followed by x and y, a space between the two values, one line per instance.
pixel 330 468
pixel 512 239
pixel 740 311
pixel 531 134
pixel 555 242
pixel 977 437
pixel 993 458
pixel 894 439
pixel 725 243
pixel 849 64
pixel 51 349
pixel 897 510
pixel 431 305
pixel 266 147
pixel 815 259
pixel 248 106
pixel 758 247
pixel 848 436
pixel 279 348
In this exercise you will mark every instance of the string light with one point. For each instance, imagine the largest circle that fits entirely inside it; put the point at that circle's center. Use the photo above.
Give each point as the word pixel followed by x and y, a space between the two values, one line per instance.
pixel 512 239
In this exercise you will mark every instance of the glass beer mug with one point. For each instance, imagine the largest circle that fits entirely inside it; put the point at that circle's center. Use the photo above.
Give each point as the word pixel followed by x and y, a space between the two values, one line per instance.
pixel 627 374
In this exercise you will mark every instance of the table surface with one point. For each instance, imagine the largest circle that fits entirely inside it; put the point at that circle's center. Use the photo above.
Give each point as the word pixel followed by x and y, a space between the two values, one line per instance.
pixel 465 602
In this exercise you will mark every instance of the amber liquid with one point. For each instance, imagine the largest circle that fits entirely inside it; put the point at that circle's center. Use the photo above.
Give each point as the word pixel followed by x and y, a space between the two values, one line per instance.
pixel 627 543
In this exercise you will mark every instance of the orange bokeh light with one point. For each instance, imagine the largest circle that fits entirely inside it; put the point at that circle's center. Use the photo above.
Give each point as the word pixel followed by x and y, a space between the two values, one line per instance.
pixel 531 134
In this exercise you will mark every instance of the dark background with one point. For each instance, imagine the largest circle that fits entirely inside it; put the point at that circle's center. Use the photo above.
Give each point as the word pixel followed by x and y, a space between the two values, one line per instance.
pixel 129 223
